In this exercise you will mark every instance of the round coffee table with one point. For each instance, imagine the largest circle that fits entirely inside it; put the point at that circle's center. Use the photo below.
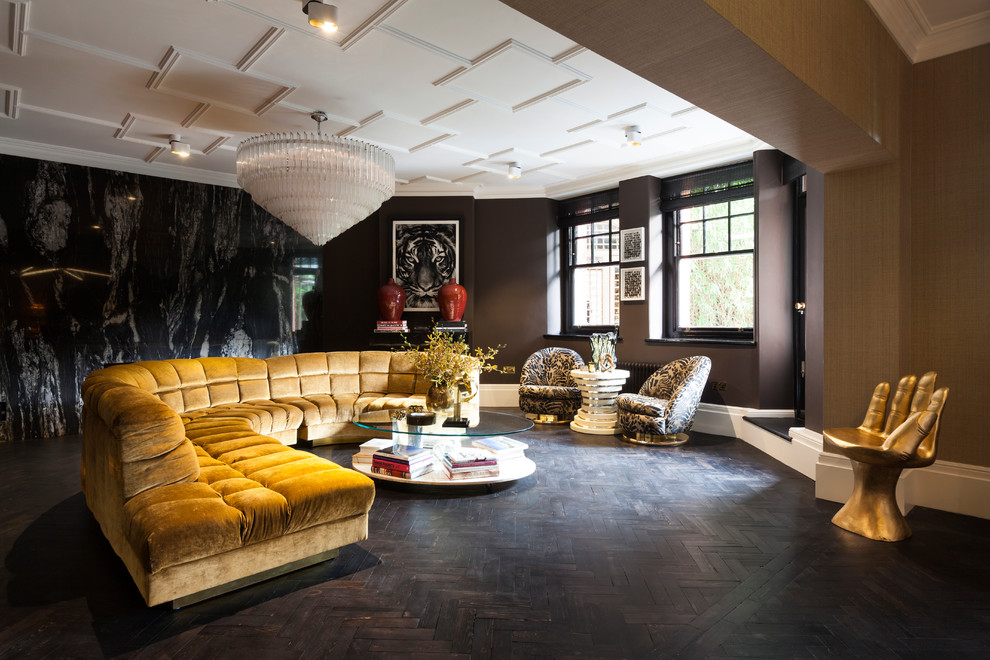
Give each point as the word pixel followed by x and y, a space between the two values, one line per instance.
pixel 481 424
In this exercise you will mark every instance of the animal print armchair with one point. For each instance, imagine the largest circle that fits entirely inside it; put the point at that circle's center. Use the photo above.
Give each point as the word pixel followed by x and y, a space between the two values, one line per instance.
pixel 663 411
pixel 547 392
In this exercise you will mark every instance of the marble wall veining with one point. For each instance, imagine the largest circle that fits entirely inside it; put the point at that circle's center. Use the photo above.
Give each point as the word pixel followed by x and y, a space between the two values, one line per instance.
pixel 100 267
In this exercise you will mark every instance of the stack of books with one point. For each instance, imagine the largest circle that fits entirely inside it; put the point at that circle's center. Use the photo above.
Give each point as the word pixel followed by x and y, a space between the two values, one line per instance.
pixel 392 326
pixel 366 450
pixel 404 461
pixel 504 449
pixel 451 326
pixel 468 463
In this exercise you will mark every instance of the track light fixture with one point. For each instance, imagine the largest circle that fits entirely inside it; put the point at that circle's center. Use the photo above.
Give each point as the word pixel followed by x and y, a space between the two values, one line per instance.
pixel 321 15
pixel 179 148
pixel 514 171
pixel 634 137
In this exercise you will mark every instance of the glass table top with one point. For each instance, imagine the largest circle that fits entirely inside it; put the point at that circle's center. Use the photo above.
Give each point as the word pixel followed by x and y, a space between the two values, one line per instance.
pixel 480 423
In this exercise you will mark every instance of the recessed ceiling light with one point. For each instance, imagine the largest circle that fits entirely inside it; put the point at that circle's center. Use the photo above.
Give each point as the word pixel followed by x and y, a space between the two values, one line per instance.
pixel 321 15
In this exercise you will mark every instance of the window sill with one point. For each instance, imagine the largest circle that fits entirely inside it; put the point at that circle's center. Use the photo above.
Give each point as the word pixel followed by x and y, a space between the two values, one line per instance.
pixel 700 340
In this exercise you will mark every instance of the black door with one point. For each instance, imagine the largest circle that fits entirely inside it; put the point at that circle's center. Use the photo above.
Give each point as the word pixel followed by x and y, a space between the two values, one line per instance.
pixel 800 203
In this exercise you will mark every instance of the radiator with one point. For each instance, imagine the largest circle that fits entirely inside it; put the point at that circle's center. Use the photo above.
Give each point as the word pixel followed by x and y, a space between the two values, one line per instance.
pixel 638 373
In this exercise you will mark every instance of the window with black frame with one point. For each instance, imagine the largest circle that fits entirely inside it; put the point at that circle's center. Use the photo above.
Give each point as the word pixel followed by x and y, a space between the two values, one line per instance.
pixel 710 262
pixel 590 226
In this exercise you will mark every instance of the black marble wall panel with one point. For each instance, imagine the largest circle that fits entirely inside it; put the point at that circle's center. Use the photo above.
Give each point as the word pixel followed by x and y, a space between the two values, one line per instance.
pixel 100 267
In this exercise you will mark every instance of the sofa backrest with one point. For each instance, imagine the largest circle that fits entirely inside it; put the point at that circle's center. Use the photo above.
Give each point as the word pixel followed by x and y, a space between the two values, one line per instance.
pixel 186 385
pixel 343 372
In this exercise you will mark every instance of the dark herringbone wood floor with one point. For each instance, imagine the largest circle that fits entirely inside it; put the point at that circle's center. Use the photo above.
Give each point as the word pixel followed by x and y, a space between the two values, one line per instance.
pixel 609 551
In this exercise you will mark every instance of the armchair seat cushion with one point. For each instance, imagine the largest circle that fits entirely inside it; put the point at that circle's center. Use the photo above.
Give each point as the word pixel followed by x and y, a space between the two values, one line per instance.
pixel 641 405
pixel 549 392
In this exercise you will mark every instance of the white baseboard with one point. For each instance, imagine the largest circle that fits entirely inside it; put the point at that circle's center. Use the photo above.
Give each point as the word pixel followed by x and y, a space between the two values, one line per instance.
pixel 499 395
pixel 800 453
pixel 946 486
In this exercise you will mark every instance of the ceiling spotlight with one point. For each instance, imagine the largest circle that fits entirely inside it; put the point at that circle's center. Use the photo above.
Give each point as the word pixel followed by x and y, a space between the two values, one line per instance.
pixel 321 15
pixel 514 171
pixel 178 148
pixel 634 137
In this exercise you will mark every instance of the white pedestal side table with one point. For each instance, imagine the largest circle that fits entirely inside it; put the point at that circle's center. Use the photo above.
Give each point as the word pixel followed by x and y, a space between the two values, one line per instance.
pixel 598 414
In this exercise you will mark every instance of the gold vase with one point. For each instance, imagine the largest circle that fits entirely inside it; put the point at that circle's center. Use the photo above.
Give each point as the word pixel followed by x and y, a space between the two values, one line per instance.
pixel 447 399
pixel 441 398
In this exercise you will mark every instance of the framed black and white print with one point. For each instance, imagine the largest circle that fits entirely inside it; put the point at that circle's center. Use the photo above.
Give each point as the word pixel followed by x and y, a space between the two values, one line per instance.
pixel 425 255
pixel 633 281
pixel 631 244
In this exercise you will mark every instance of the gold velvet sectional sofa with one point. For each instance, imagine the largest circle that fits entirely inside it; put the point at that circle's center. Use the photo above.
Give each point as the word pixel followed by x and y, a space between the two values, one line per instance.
pixel 186 464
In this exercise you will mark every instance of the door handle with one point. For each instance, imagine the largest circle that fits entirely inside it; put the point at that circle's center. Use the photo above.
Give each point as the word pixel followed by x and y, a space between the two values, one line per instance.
pixel 799 307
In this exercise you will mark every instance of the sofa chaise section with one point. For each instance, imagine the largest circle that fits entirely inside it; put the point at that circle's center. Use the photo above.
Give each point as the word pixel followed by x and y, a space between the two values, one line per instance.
pixel 182 472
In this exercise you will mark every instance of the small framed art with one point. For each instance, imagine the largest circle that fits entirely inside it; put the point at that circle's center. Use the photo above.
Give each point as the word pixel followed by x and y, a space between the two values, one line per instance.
pixel 632 244
pixel 633 281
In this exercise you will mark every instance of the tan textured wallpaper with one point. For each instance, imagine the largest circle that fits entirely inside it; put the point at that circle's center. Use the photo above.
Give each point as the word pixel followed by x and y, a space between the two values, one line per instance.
pixel 950 278
pixel 864 277
pixel 836 47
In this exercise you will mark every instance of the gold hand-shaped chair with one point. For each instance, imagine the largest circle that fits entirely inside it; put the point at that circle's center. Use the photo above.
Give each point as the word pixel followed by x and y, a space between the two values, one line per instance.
pixel 879 451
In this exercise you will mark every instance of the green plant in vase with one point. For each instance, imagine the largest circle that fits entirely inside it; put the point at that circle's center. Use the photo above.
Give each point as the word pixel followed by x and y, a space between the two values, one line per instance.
pixel 448 363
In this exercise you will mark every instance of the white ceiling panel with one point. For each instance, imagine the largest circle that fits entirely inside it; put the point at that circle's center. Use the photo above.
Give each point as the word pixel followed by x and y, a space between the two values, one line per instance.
pixel 612 130
pixel 362 80
pixel 499 162
pixel 612 87
pixel 536 127
pixel 189 76
pixel 61 78
pixel 441 164
pixel 70 133
pixel 280 118
pixel 512 75
pixel 135 29
pixel 396 132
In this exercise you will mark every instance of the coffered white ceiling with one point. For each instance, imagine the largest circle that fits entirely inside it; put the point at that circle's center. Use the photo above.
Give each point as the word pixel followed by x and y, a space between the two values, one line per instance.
pixel 456 90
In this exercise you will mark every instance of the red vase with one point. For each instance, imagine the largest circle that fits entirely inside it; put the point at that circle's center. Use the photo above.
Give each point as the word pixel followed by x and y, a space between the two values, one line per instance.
pixel 453 300
pixel 391 301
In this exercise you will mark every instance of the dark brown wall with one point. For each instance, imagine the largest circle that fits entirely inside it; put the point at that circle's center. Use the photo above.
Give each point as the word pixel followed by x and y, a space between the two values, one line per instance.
pixel 359 261
pixel 350 280
pixel 511 268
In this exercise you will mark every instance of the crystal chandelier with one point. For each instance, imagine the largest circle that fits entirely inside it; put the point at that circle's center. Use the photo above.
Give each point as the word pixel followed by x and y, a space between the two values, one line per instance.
pixel 320 185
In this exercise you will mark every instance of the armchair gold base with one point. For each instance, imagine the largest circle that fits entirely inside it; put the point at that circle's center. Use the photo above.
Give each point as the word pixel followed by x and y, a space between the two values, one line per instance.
pixel 672 440
pixel 872 509
pixel 549 419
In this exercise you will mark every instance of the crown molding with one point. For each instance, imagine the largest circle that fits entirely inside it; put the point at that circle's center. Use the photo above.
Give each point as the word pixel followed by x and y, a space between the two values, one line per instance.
pixel 919 40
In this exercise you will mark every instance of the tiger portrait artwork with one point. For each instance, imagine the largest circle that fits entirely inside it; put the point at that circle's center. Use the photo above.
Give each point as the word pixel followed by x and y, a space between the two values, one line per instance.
pixel 424 258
